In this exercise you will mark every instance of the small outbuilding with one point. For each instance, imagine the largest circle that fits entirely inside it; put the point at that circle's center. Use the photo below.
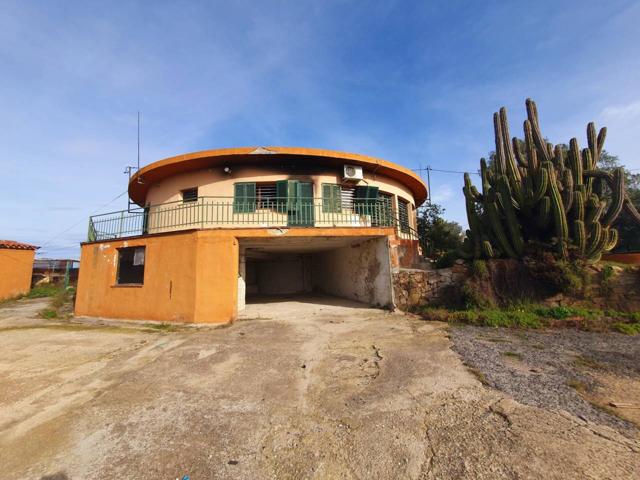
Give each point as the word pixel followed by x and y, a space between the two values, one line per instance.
pixel 16 267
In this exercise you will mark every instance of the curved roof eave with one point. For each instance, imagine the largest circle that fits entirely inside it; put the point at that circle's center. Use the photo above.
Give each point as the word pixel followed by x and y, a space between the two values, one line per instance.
pixel 157 171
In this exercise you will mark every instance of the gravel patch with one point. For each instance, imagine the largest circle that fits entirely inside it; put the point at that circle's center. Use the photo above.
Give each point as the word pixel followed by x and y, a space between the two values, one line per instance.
pixel 546 369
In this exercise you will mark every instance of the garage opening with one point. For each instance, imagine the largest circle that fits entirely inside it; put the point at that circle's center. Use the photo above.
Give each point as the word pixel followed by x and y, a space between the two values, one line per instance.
pixel 284 268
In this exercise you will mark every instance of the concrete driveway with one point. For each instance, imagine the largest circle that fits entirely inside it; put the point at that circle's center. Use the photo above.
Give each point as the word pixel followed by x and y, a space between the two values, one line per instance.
pixel 296 389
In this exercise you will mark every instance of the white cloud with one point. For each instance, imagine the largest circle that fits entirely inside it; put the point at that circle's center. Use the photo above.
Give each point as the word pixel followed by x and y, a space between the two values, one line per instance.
pixel 628 112
pixel 442 193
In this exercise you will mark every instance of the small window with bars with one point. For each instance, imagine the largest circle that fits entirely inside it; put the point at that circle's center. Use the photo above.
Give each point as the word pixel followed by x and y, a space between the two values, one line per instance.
pixel 266 195
pixel 403 215
pixel 190 195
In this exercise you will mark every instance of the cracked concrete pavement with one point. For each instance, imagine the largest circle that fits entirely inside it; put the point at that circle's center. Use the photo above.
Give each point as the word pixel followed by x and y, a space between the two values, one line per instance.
pixel 296 389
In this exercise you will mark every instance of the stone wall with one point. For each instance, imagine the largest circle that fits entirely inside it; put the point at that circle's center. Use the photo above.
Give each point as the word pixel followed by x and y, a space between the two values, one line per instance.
pixel 414 288
pixel 507 281
pixel 620 292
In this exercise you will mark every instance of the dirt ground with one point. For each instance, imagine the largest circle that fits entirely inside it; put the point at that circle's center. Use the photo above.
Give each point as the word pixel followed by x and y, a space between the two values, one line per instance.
pixel 293 390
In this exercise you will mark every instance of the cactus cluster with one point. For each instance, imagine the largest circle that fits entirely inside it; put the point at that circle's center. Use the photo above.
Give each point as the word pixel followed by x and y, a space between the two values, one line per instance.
pixel 539 196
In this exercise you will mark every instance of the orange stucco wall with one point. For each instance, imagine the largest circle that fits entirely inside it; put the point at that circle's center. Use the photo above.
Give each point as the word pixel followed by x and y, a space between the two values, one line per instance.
pixel 16 267
pixel 190 276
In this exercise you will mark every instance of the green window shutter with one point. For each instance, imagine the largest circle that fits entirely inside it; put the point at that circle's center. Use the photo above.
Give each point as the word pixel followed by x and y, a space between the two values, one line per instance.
pixel 373 206
pixel 250 196
pixel 304 202
pixel 244 197
pixel 326 198
pixel 337 199
pixel 282 195
pixel 238 196
pixel 331 201
pixel 366 200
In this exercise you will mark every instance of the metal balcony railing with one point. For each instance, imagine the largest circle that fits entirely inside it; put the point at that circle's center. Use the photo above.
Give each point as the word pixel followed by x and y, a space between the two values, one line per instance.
pixel 227 212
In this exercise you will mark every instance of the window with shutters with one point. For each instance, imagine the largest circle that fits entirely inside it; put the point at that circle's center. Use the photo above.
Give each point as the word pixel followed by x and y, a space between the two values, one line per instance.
pixel 331 198
pixel 190 195
pixel 266 195
pixel 403 215
pixel 244 197
pixel 130 266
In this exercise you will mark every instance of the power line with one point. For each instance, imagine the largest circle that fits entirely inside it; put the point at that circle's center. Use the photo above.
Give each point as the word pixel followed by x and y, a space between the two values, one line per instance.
pixel 82 220
pixel 429 169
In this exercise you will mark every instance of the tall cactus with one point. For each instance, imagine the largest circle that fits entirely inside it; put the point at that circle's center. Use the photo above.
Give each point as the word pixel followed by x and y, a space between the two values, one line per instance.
pixel 540 195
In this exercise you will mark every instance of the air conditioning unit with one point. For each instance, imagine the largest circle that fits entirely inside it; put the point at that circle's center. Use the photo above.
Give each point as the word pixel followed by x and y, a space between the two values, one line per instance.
pixel 352 173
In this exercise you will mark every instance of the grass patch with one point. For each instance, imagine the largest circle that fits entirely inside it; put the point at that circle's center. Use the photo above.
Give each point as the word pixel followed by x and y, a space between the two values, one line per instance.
pixel 482 378
pixel 44 290
pixel 61 304
pixel 48 313
pixel 560 313
pixel 496 340
pixel 577 385
pixel 509 318
pixel 586 362
pixel 627 328
pixel 162 327
pixel 512 355
pixel 528 315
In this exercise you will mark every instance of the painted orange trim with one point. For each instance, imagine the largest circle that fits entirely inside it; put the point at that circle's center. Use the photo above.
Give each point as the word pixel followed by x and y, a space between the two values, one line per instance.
pixel 168 167
pixel 630 258
pixel 275 232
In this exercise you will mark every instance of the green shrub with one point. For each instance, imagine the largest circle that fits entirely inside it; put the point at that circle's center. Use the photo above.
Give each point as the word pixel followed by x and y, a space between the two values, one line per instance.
pixel 479 269
pixel 447 260
pixel 471 297
pixel 571 279
pixel 607 273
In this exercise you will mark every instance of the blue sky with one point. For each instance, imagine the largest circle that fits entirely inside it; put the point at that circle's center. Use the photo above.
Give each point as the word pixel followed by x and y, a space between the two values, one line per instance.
pixel 412 82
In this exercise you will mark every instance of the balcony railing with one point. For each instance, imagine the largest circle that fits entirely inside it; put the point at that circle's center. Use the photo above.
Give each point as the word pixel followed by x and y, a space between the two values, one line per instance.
pixel 219 212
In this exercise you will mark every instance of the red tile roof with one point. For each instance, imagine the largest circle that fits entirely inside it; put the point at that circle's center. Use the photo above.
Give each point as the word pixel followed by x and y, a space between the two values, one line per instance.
pixel 16 245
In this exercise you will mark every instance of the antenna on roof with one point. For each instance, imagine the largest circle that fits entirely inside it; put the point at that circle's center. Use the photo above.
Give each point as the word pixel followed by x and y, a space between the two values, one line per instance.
pixel 138 139
pixel 129 168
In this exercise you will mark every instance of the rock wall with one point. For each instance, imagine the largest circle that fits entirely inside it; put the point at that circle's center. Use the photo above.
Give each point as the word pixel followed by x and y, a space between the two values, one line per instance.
pixel 621 291
pixel 414 288
pixel 507 281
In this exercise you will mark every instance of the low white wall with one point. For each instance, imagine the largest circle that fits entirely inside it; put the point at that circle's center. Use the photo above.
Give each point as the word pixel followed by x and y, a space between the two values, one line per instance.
pixel 359 272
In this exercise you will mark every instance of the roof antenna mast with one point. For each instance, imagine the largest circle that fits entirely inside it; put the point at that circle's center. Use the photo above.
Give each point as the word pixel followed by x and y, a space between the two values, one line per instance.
pixel 129 169
pixel 138 169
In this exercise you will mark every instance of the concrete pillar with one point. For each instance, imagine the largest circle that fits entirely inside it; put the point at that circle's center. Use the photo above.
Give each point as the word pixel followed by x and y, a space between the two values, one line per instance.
pixel 242 284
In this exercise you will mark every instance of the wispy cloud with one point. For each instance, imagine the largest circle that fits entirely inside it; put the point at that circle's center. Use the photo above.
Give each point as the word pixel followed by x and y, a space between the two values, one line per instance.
pixel 627 112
